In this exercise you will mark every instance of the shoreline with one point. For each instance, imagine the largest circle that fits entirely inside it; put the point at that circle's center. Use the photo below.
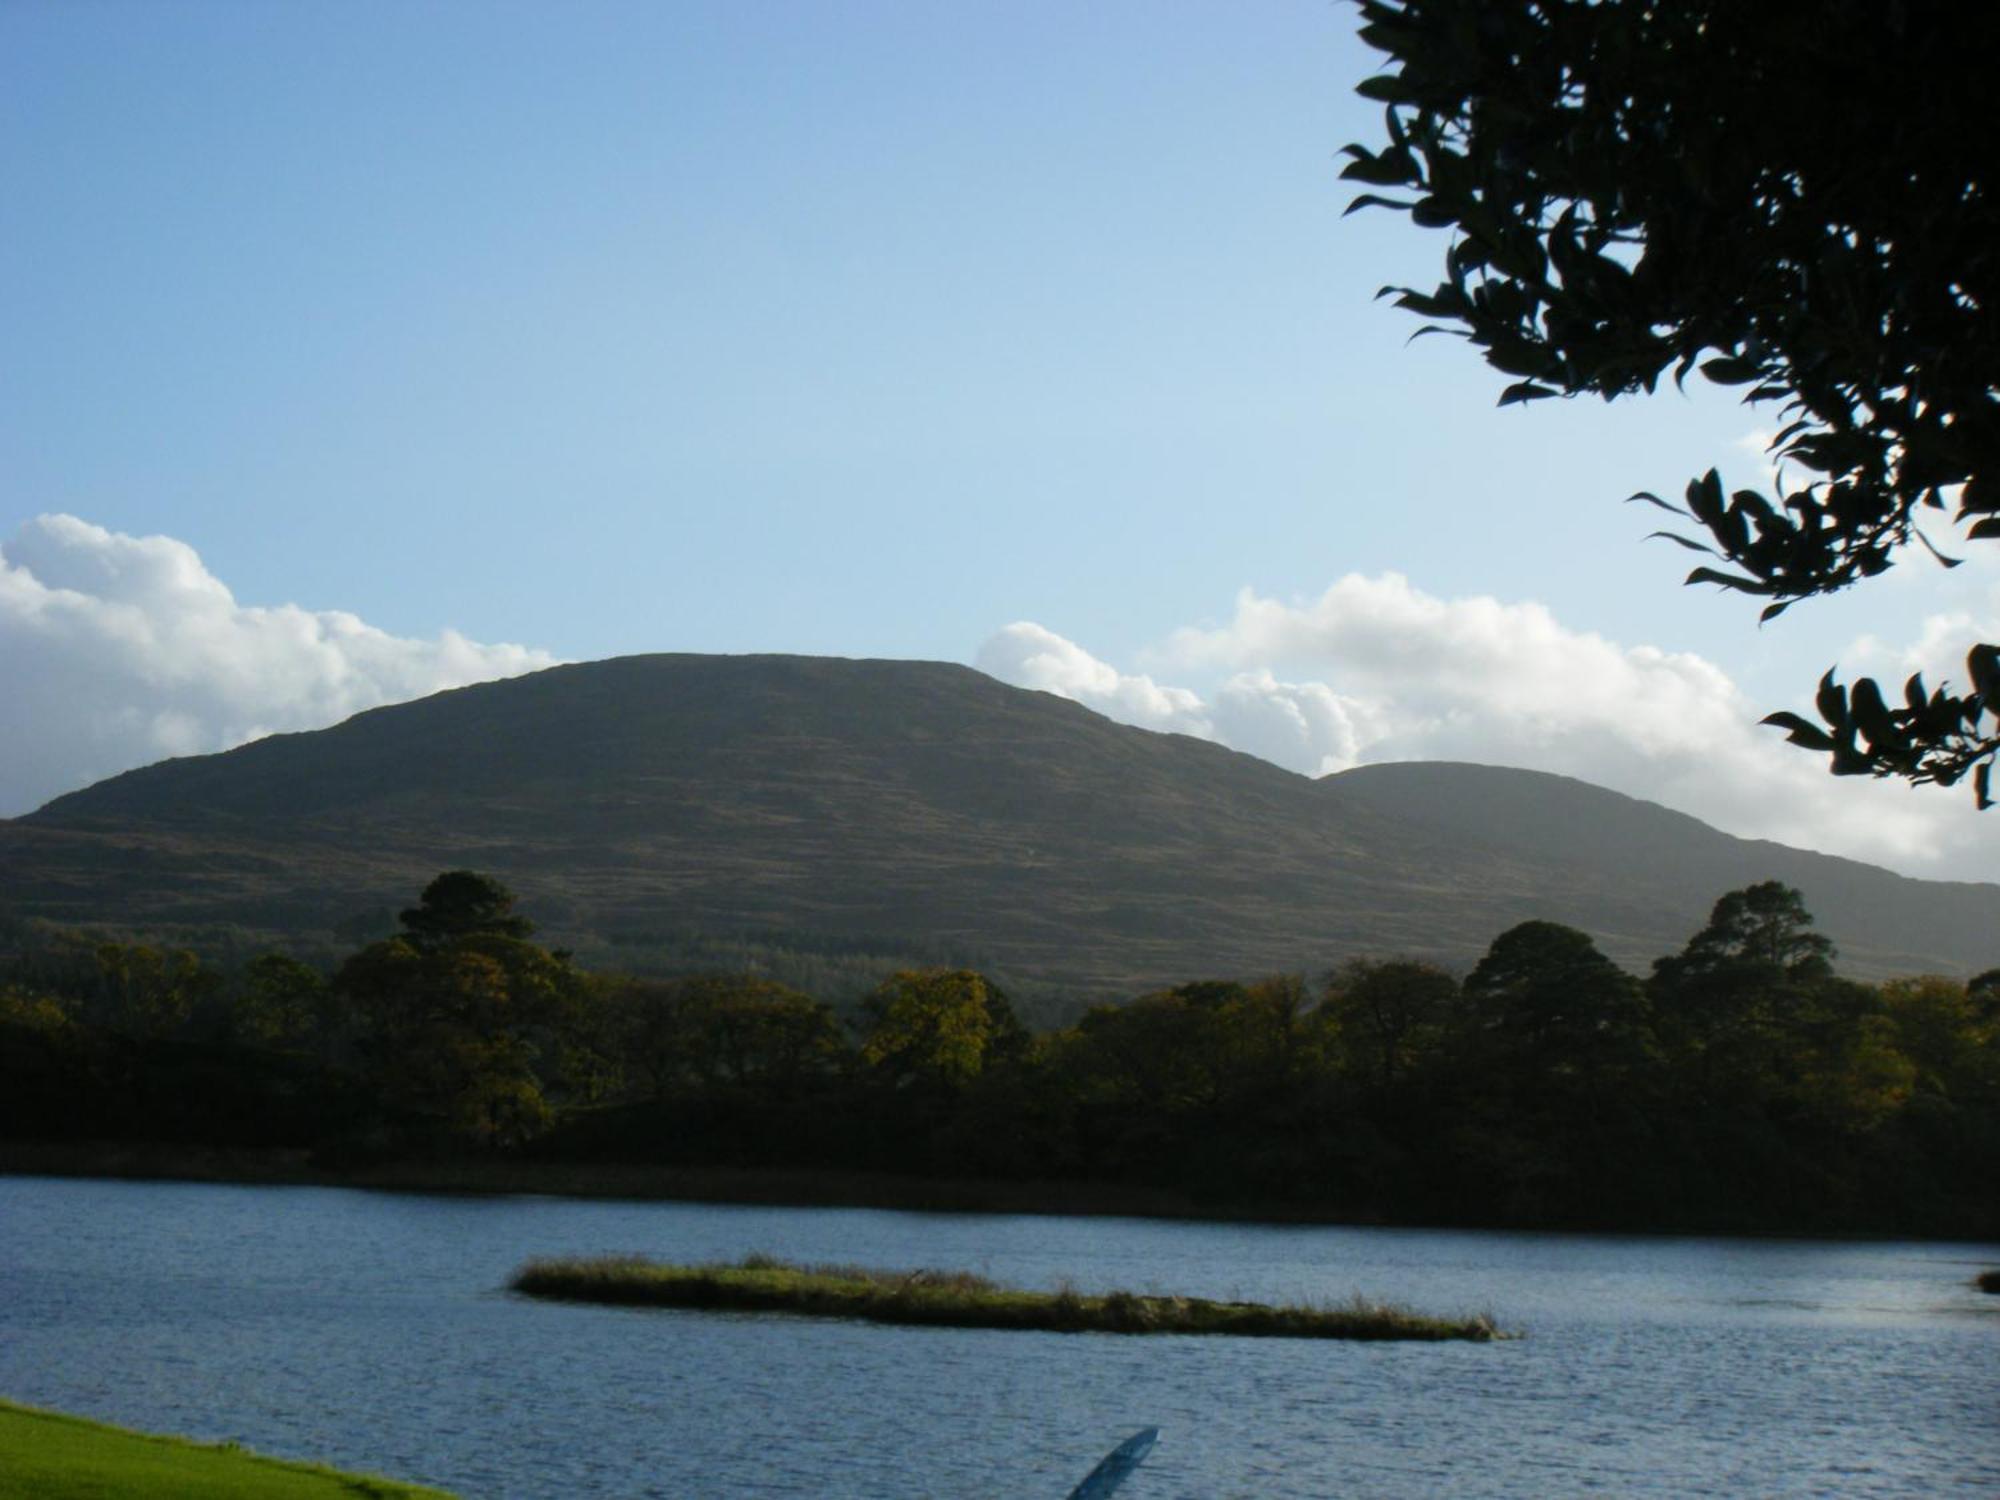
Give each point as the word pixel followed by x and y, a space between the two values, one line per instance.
pixel 487 1176
pixel 769 1187
pixel 64 1456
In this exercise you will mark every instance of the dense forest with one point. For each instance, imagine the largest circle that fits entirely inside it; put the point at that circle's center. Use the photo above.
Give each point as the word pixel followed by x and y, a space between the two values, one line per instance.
pixel 1741 1085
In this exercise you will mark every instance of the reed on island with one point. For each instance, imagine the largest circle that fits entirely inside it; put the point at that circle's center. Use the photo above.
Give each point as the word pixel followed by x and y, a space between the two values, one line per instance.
pixel 959 1299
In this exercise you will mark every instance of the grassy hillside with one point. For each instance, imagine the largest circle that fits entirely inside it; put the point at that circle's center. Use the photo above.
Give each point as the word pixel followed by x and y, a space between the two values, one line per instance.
pixel 1584 838
pixel 47 1455
pixel 652 809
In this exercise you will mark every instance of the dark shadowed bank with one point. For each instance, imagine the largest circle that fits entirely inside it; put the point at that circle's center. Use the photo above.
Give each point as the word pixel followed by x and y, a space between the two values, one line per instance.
pixel 959 1299
pixel 801 1188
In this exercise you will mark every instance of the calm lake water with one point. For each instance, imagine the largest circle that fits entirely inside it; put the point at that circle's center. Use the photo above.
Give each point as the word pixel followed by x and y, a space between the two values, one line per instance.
pixel 371 1330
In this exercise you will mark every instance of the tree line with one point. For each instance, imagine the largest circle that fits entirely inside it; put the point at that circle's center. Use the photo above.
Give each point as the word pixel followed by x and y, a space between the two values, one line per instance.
pixel 1741 1084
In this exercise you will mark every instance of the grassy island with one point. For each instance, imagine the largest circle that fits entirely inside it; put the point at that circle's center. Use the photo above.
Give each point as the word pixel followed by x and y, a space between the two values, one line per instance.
pixel 958 1299
pixel 46 1455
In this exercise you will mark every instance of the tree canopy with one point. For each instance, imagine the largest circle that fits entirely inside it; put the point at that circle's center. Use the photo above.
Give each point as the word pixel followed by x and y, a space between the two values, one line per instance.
pixel 1547 988
pixel 465 1022
pixel 1765 924
pixel 936 1026
pixel 1796 199
pixel 460 903
pixel 1743 1085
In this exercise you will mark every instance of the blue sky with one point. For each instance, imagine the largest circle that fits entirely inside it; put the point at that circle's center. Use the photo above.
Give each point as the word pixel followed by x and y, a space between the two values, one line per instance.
pixel 842 328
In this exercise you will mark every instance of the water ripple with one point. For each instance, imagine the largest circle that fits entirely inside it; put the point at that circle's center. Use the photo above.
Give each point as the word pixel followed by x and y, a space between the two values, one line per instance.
pixel 370 1330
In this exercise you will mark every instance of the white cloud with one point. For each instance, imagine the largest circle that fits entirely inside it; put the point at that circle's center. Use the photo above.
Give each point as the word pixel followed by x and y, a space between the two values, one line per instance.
pixel 1942 637
pixel 117 650
pixel 1304 725
pixel 1028 656
pixel 1375 670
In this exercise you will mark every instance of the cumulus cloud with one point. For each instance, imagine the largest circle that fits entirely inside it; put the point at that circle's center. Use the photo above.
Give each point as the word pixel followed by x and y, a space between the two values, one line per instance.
pixel 1374 669
pixel 116 651
pixel 1942 637
pixel 1027 655
pixel 1303 725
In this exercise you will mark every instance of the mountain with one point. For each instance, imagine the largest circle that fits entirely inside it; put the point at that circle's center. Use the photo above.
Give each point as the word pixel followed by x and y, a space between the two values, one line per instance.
pixel 912 807
pixel 1624 861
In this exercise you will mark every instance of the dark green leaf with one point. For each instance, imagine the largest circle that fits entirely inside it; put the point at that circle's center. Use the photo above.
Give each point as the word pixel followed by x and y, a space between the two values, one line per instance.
pixel 1799 732
pixel 1652 499
pixel 1430 213
pixel 1386 88
pixel 1728 581
pixel 1982 665
pixel 1390 169
pixel 1729 371
pixel 1871 716
pixel 1949 562
pixel 1681 541
pixel 1704 499
pixel 1374 200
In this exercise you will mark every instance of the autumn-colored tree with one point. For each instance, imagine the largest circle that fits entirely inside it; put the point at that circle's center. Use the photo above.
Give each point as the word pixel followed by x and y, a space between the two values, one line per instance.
pixel 148 992
pixel 722 1030
pixel 935 1026
pixel 33 1011
pixel 1843 1070
pixel 1950 1036
pixel 467 1023
pixel 279 1001
pixel 1265 1042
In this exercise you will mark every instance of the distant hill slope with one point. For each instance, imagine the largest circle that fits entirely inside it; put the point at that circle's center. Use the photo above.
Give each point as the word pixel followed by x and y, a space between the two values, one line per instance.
pixel 1642 858
pixel 915 802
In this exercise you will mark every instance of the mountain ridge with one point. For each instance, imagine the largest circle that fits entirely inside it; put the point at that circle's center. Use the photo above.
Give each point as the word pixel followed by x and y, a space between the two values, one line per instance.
pixel 833 797
pixel 1700 856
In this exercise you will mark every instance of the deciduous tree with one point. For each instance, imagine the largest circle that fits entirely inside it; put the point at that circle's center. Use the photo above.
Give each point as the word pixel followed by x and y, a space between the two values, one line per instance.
pixel 1544 991
pixel 1391 1012
pixel 467 1023
pixel 935 1026
pixel 721 1030
pixel 149 992
pixel 1797 199
pixel 278 1001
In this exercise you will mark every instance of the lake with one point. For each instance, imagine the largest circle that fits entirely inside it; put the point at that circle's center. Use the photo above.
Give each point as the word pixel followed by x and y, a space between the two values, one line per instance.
pixel 371 1330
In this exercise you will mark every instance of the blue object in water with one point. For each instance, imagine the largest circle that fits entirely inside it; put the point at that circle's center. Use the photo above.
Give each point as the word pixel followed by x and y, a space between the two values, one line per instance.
pixel 1117 1466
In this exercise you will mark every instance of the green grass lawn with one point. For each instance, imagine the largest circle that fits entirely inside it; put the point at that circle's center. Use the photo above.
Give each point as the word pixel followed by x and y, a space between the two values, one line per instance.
pixel 46 1455
pixel 760 1283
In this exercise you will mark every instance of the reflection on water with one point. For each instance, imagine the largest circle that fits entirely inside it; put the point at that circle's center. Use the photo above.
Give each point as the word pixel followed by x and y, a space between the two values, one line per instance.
pixel 370 1330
